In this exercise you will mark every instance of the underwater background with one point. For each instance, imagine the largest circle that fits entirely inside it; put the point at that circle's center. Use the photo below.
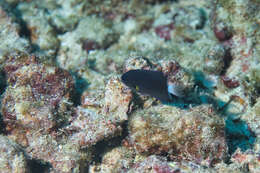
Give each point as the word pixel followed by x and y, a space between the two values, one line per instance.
pixel 113 86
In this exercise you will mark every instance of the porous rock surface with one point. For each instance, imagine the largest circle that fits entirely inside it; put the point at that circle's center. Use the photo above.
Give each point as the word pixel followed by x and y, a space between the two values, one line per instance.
pixel 197 134
pixel 12 158
pixel 39 114
pixel 210 47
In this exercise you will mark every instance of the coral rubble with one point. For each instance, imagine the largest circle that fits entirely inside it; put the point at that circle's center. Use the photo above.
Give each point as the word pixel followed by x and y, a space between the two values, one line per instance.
pixel 12 157
pixel 65 109
pixel 196 135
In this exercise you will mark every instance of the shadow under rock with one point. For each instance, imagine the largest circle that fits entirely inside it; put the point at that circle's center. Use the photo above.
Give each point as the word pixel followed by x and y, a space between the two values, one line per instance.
pixel 39 166
pixel 2 125
pixel 81 85
pixel 238 135
pixel 105 146
pixel 3 82
pixel 3 85
pixel 24 31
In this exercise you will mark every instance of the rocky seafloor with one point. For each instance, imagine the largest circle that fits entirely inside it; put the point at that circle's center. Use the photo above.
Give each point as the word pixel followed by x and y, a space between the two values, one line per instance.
pixel 64 108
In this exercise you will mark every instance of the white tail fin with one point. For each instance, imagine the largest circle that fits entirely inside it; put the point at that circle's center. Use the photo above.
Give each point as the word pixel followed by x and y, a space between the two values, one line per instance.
pixel 176 89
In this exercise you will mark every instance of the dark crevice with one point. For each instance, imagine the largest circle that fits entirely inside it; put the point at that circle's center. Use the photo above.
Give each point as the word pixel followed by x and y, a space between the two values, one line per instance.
pixel 107 145
pixel 203 20
pixel 253 97
pixel 2 125
pixel 239 135
pixel 39 166
pixel 3 85
pixel 227 61
pixel 24 31
pixel 161 1
pixel 111 39
pixel 81 85
pixel 3 82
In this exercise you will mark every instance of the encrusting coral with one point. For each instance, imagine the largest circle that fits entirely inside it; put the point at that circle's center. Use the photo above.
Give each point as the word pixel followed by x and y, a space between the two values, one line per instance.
pixel 39 114
pixel 64 106
pixel 12 158
pixel 197 134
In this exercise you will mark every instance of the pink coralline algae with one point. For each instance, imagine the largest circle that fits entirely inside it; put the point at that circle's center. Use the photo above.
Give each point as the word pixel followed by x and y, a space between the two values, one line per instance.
pixel 248 158
pixel 155 164
pixel 176 74
pixel 40 116
pixel 89 45
pixel 164 31
pixel 230 82
pixel 222 34
pixel 37 96
pixel 35 106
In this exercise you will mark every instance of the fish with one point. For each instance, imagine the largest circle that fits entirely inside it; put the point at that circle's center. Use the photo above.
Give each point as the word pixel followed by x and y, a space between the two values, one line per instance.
pixel 153 83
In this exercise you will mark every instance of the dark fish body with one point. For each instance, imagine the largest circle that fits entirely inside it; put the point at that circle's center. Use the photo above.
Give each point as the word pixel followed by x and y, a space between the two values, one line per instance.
pixel 153 83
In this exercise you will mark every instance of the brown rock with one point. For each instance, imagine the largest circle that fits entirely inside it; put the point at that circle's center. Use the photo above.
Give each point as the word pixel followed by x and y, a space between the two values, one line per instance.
pixel 196 134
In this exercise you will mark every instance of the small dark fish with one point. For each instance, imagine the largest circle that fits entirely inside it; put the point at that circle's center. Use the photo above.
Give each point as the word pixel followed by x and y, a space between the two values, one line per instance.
pixel 153 83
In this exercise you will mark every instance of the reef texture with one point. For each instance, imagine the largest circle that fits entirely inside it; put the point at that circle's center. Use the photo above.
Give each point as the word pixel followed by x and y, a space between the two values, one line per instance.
pixel 155 163
pixel 39 115
pixel 41 32
pixel 116 160
pixel 64 107
pixel 9 35
pixel 35 106
pixel 37 95
pixel 12 158
pixel 248 159
pixel 196 135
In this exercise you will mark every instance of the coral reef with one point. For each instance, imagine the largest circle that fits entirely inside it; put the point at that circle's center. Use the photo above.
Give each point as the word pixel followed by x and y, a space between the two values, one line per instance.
pixel 35 106
pixel 40 116
pixel 42 34
pixel 9 35
pixel 249 158
pixel 196 135
pixel 12 157
pixel 118 100
pixel 153 164
pixel 65 109
pixel 88 128
pixel 77 44
pixel 37 96
pixel 116 160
